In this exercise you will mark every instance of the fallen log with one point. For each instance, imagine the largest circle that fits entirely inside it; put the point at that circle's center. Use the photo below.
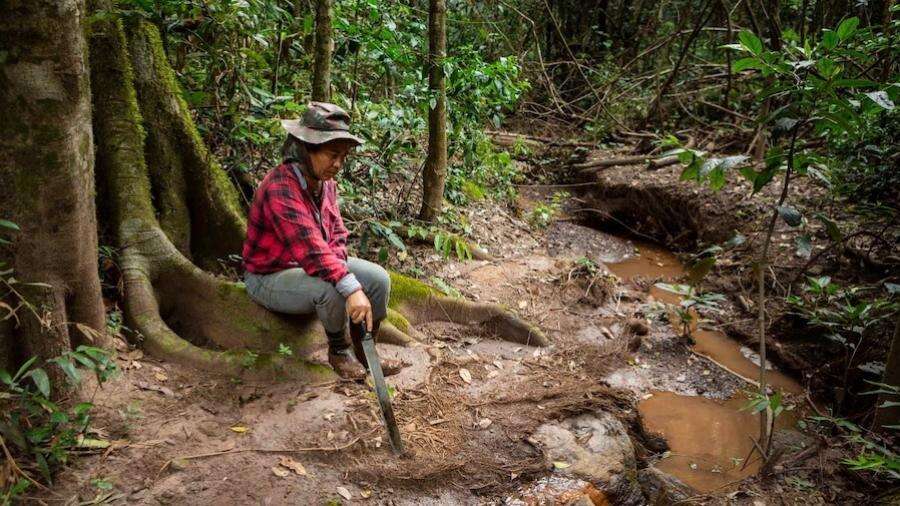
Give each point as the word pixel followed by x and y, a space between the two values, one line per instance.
pixel 509 138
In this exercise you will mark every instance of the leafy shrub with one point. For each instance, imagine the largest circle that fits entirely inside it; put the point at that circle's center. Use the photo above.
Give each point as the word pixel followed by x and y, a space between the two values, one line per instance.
pixel 40 430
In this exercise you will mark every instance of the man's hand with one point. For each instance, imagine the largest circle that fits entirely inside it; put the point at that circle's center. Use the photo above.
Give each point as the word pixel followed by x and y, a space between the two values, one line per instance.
pixel 359 308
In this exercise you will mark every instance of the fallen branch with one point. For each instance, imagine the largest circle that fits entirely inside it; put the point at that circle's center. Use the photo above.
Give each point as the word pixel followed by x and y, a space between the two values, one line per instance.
pixel 609 162
pixel 266 450
pixel 535 140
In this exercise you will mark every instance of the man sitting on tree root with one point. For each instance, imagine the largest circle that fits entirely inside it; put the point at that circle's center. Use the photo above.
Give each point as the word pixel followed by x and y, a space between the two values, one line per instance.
pixel 295 253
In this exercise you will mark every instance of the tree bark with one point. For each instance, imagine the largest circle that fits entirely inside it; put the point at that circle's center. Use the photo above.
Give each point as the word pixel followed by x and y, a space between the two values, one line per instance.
pixel 321 89
pixel 890 415
pixel 47 174
pixel 435 172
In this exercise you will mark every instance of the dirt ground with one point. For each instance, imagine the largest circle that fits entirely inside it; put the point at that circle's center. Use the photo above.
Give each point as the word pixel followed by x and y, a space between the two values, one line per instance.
pixel 486 421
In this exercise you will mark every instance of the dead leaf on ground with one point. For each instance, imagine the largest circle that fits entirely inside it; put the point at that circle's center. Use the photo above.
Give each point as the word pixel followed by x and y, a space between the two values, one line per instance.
pixel 280 471
pixel 293 465
pixel 240 429
pixel 161 377
pixel 366 494
pixel 484 423
pixel 465 375
pixel 343 492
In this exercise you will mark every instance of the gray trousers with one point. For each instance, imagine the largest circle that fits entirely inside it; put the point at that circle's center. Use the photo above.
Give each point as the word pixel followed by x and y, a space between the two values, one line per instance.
pixel 294 291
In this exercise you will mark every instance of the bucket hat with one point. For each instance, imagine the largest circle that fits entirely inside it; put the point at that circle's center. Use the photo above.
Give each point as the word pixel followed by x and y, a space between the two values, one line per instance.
pixel 321 122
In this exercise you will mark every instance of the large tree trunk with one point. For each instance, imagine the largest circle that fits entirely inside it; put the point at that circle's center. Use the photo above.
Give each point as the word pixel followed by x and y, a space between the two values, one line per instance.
pixel 47 175
pixel 436 162
pixel 321 89
pixel 183 312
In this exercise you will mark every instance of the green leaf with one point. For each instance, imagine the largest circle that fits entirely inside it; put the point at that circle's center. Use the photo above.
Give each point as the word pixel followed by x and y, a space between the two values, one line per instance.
pixel 751 62
pixel 854 83
pixel 717 178
pixel 395 240
pixel 881 98
pixel 691 172
pixel 847 28
pixel 748 173
pixel 5 377
pixel 750 42
pixel 8 224
pixel 831 228
pixel 67 367
pixel 41 380
pixel 28 363
pixel 830 39
pixel 763 178
pixel 790 215
pixel 82 408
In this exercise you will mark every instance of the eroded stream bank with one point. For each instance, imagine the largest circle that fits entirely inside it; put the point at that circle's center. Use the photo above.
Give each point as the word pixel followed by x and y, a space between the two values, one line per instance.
pixel 708 430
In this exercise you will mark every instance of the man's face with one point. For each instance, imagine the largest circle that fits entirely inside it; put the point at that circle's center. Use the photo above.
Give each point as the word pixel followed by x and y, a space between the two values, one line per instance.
pixel 328 160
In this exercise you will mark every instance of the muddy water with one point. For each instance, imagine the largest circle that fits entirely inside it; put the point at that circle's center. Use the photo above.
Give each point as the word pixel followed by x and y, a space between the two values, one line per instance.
pixel 708 439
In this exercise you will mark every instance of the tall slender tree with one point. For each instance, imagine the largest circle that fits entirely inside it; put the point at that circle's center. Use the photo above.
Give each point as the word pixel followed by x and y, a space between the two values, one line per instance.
pixel 47 177
pixel 321 88
pixel 436 162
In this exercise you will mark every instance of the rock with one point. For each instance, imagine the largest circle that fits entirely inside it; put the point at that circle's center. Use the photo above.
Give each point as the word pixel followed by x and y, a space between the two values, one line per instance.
pixel 663 488
pixel 178 464
pixel 595 448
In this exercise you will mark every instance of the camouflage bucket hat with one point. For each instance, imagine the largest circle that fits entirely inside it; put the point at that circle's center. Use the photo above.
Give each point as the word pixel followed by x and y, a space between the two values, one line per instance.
pixel 321 122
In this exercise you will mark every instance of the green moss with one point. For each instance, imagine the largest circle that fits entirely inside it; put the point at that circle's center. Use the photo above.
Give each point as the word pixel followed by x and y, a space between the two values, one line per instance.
pixel 472 190
pixel 217 223
pixel 396 319
pixel 404 288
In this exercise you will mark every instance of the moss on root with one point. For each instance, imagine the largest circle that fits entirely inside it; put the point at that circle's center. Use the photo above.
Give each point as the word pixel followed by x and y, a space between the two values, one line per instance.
pixel 405 289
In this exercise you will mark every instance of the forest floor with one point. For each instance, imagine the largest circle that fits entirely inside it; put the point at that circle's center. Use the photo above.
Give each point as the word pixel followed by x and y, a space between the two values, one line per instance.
pixel 620 409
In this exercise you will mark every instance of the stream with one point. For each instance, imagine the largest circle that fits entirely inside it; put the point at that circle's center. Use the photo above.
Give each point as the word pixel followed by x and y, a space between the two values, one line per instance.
pixel 709 438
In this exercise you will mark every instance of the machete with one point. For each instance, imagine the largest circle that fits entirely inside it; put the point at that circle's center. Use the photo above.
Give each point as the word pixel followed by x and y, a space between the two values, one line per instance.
pixel 381 391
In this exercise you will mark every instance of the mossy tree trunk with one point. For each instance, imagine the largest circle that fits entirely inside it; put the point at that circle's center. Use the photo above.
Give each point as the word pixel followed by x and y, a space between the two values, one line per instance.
pixel 435 172
pixel 47 177
pixel 321 88
pixel 166 195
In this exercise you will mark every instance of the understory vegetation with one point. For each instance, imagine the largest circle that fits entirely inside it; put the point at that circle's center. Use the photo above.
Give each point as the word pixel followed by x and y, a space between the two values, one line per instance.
pixel 791 102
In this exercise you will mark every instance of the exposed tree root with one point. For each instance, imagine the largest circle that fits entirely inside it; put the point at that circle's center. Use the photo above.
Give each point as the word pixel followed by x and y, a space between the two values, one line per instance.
pixel 171 206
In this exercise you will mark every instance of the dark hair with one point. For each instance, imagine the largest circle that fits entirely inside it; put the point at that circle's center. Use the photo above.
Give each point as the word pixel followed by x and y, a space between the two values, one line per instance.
pixel 295 150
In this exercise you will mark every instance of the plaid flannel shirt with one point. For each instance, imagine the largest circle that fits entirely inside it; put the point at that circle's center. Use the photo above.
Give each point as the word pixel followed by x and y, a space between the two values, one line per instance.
pixel 286 229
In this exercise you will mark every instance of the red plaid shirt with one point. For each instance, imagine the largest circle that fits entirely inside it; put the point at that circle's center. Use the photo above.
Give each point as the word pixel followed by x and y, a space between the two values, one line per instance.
pixel 286 229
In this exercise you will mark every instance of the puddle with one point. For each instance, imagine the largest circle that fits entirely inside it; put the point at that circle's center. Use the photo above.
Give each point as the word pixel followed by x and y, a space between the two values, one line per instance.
pixel 740 360
pixel 648 261
pixel 708 439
